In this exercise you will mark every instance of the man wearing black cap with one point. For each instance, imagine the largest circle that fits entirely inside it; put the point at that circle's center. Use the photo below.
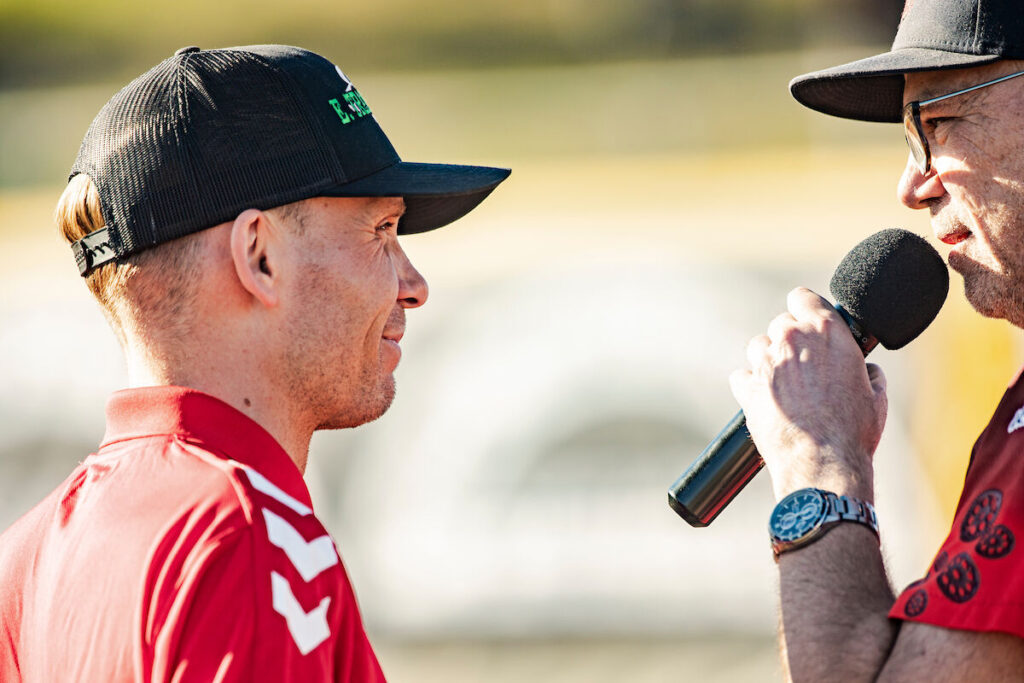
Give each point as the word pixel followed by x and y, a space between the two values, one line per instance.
pixel 236 212
pixel 816 413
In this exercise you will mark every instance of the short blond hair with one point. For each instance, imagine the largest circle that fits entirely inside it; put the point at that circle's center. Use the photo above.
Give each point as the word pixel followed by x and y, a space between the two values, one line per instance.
pixel 162 295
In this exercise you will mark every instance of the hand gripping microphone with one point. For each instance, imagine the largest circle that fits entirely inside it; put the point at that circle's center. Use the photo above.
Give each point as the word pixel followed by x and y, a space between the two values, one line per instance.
pixel 888 289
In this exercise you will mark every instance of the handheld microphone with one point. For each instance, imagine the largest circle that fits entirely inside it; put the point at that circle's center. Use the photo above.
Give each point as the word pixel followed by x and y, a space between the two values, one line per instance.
pixel 888 289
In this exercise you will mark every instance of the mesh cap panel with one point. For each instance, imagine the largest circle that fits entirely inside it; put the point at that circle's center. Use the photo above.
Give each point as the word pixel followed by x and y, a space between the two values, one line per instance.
pixel 206 134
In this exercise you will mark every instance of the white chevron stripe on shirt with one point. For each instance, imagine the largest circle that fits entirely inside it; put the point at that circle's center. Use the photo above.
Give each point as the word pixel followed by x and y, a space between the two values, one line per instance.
pixel 309 558
pixel 264 485
pixel 308 629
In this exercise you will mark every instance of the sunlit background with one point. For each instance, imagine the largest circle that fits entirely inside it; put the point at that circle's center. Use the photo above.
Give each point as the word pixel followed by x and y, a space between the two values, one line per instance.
pixel 506 520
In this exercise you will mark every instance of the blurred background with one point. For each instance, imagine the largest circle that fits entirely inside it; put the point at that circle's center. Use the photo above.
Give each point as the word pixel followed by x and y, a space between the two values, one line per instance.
pixel 506 520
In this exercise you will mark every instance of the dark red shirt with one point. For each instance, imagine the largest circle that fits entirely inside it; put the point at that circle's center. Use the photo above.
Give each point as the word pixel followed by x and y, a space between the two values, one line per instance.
pixel 976 581
pixel 184 549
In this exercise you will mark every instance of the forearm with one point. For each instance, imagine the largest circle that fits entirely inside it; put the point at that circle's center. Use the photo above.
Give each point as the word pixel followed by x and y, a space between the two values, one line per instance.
pixel 835 599
pixel 816 413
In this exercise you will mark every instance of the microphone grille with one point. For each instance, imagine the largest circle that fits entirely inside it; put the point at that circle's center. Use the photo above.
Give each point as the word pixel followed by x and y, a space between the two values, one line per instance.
pixel 893 283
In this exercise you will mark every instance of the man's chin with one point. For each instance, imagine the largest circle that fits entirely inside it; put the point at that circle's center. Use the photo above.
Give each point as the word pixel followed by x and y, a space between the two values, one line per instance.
pixel 369 409
pixel 976 298
pixel 991 302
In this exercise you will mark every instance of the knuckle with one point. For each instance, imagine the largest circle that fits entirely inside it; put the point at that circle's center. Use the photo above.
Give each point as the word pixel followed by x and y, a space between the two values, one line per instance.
pixel 790 335
pixel 779 325
pixel 826 325
pixel 738 381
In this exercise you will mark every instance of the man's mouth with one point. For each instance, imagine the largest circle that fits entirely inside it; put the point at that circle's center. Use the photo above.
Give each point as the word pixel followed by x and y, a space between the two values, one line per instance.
pixel 394 329
pixel 952 234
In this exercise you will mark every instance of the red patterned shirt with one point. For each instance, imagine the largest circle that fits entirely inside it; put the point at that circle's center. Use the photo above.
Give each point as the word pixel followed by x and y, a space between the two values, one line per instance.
pixel 976 581
pixel 184 549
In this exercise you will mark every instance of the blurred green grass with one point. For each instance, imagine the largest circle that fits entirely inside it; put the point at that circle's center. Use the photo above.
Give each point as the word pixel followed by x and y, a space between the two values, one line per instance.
pixel 512 113
pixel 694 160
pixel 710 658
pixel 60 41
pixel 710 157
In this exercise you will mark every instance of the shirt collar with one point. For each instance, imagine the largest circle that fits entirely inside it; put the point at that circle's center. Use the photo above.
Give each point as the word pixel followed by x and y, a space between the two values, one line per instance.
pixel 205 421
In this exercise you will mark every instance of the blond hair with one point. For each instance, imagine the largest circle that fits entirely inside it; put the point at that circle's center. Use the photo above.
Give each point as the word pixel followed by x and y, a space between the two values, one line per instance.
pixel 155 287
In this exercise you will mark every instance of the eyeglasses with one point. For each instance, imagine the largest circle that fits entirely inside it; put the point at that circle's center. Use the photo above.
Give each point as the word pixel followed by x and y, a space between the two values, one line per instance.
pixel 916 139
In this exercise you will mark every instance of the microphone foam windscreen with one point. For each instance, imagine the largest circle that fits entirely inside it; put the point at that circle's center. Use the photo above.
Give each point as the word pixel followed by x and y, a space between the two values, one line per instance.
pixel 893 283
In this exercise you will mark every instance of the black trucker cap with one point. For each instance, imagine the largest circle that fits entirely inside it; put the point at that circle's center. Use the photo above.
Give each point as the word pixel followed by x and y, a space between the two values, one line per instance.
pixel 206 134
pixel 933 34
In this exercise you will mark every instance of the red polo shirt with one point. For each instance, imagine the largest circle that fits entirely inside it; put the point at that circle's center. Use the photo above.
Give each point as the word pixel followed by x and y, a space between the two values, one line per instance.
pixel 976 582
pixel 184 549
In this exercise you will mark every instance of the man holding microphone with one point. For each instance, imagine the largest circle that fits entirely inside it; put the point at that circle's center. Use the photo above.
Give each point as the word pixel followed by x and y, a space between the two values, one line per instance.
pixel 816 412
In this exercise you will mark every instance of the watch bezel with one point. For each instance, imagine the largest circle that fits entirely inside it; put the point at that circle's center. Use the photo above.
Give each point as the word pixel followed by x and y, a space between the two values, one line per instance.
pixel 801 532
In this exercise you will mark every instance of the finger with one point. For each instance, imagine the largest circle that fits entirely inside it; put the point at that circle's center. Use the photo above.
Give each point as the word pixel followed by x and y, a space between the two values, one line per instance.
pixel 757 349
pixel 739 383
pixel 806 306
pixel 779 325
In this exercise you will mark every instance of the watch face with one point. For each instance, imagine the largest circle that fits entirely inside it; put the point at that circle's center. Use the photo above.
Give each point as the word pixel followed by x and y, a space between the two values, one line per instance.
pixel 797 514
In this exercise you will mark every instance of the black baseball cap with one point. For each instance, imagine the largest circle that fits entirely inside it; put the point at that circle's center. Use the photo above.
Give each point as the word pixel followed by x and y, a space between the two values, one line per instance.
pixel 206 134
pixel 932 35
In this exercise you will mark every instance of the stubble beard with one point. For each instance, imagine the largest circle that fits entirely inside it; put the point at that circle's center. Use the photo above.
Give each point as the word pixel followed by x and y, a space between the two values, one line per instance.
pixel 330 391
pixel 994 295
pixel 347 400
pixel 994 279
pixel 322 380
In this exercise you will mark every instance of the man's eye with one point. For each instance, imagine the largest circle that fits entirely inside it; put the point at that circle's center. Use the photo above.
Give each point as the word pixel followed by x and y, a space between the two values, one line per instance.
pixel 932 123
pixel 385 226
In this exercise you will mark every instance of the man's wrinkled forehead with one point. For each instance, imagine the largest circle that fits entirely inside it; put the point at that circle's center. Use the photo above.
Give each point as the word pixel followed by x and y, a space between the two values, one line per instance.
pixel 366 210
pixel 364 206
pixel 389 206
pixel 923 85
pixel 390 203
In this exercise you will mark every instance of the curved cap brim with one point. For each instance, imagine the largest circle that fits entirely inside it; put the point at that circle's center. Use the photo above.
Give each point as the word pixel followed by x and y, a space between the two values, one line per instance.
pixel 435 194
pixel 871 89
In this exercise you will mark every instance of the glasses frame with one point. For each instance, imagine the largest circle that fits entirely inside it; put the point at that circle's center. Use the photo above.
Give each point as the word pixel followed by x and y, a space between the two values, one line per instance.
pixel 914 130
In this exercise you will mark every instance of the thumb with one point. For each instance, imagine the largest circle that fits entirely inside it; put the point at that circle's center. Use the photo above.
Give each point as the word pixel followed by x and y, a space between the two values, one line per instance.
pixel 878 384
pixel 877 379
pixel 738 381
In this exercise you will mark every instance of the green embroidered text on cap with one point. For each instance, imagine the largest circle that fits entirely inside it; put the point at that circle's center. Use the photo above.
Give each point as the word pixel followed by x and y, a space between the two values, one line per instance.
pixel 356 106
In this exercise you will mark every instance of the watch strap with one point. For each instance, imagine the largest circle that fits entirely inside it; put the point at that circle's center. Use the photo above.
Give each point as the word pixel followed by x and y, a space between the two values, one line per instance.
pixel 838 509
pixel 850 509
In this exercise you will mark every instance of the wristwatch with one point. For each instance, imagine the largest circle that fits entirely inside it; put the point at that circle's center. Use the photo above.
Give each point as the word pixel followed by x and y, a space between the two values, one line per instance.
pixel 804 516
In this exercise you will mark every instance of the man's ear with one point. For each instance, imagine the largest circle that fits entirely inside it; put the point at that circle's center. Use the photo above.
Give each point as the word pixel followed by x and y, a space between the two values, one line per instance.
pixel 252 239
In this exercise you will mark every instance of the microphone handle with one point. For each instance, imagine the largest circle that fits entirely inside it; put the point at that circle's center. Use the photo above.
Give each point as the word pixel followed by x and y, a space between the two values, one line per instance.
pixel 720 472
pixel 731 460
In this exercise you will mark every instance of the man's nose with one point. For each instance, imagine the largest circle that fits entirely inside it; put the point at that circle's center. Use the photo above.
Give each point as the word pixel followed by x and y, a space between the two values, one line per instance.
pixel 412 287
pixel 916 188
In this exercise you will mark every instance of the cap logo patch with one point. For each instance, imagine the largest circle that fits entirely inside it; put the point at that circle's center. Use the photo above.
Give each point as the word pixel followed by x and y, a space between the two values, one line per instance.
pixel 348 83
pixel 354 106
pixel 351 106
pixel 93 250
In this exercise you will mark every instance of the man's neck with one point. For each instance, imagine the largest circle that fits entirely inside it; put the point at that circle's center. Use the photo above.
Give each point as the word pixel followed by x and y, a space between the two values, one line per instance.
pixel 235 386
